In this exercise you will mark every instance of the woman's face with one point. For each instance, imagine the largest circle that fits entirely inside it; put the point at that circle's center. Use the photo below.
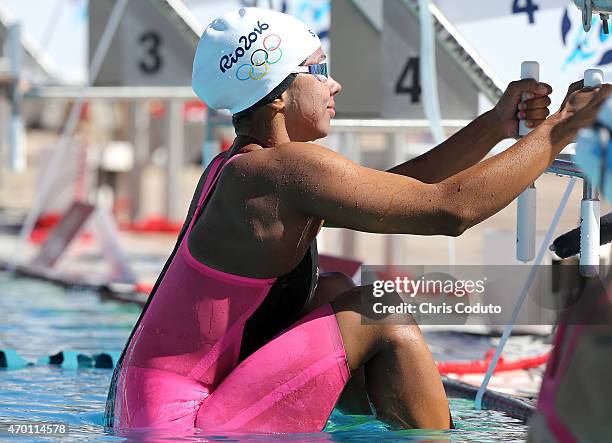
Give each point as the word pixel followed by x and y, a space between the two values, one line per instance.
pixel 310 104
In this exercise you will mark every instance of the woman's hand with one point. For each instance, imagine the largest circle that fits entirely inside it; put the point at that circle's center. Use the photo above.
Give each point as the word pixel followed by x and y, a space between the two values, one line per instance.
pixel 580 106
pixel 578 110
pixel 511 107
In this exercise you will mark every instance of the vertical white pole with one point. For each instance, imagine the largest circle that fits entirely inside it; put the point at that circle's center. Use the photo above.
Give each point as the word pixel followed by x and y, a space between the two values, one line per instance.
pixel 429 83
pixel 526 202
pixel 141 147
pixel 589 207
pixel 352 150
pixel 176 140
pixel 16 133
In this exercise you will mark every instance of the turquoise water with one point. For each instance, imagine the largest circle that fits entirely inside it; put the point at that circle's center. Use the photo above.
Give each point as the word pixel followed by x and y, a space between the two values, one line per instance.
pixel 39 319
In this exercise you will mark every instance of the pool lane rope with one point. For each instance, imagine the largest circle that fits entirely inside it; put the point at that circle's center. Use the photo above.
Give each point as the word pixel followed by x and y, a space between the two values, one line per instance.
pixel 480 366
pixel 10 359
pixel 508 328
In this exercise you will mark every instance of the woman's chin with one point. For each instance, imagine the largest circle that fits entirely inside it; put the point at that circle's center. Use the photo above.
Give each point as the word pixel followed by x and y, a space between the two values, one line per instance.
pixel 321 130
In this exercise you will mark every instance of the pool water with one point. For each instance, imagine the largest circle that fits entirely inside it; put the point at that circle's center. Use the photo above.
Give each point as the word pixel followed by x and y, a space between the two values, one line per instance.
pixel 39 319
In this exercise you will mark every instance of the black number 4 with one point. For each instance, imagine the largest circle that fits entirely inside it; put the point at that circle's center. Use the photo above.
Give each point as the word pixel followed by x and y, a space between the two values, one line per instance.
pixel 412 66
pixel 529 7
pixel 151 40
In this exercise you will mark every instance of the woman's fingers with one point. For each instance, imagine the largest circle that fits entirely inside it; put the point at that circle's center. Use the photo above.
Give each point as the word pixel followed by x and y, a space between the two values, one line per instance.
pixel 535 103
pixel 533 114
pixel 534 110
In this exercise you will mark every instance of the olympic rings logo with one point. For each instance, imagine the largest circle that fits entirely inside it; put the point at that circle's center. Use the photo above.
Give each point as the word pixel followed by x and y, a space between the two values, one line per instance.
pixel 261 59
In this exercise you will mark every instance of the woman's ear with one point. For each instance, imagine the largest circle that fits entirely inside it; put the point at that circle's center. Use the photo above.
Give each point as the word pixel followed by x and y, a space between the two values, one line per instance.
pixel 278 104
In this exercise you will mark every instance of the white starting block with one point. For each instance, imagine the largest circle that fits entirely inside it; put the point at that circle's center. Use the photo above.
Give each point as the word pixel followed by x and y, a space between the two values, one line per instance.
pixel 67 231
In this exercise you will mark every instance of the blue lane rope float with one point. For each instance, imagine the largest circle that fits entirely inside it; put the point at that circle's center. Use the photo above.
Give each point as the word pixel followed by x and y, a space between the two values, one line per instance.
pixel 10 359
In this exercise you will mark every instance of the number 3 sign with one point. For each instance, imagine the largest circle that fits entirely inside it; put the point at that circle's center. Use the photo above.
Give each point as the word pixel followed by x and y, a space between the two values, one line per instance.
pixel 152 46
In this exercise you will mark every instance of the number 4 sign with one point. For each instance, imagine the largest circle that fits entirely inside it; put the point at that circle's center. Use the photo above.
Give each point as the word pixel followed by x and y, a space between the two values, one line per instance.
pixel 401 77
pixel 409 82
pixel 525 6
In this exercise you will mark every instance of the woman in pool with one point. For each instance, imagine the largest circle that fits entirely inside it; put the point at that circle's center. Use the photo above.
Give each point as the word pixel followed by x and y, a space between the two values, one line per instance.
pixel 240 334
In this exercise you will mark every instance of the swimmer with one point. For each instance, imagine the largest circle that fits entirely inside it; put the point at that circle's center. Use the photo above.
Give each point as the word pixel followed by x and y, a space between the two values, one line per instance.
pixel 240 332
pixel 576 395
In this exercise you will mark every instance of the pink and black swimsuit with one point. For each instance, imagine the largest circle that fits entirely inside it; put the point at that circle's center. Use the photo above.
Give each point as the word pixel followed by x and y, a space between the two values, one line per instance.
pixel 221 352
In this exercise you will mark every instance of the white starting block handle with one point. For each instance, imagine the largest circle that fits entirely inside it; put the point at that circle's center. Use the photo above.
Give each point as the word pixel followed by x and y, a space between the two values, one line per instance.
pixel 529 69
pixel 589 207
pixel 589 237
pixel 526 202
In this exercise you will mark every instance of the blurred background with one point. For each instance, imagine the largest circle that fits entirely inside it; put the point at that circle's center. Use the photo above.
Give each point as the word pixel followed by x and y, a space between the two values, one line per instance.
pixel 101 112
pixel 102 143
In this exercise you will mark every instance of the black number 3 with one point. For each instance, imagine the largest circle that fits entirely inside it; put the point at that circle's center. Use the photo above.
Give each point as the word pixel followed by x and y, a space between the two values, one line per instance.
pixel 153 62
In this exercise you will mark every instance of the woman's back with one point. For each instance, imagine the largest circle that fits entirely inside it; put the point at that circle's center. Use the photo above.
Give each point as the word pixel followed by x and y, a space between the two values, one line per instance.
pixel 246 228
pixel 194 327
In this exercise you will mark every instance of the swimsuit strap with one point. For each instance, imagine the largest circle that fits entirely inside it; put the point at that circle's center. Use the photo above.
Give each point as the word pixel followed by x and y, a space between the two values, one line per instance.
pixel 214 169
pixel 213 175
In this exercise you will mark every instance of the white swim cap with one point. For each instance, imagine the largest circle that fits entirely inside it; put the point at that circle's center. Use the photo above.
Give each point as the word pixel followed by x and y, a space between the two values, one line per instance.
pixel 243 55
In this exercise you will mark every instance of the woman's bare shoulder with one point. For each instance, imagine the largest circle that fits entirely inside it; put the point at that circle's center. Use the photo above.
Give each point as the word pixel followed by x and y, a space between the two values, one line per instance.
pixel 285 157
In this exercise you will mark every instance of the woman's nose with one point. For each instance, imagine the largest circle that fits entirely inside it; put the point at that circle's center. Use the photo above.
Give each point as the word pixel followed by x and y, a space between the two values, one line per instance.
pixel 334 86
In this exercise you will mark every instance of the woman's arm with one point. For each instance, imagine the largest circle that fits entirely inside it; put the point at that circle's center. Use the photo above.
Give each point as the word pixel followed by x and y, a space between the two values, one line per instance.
pixel 471 144
pixel 465 148
pixel 319 182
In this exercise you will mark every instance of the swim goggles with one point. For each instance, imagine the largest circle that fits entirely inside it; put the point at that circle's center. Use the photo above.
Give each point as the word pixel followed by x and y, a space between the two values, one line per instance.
pixel 319 71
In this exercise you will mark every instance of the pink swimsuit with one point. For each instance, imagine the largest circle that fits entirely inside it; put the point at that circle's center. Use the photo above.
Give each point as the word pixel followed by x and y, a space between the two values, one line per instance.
pixel 182 370
pixel 553 377
pixel 560 361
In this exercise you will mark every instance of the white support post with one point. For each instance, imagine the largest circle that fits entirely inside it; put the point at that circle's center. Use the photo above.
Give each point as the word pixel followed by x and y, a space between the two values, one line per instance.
pixel 142 125
pixel 589 206
pixel 176 140
pixel 526 202
pixel 352 150
pixel 16 132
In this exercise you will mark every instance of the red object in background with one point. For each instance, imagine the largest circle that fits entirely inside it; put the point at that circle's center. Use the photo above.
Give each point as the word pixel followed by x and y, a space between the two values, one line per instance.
pixel 144 288
pixel 47 221
pixel 153 225
pixel 157 109
pixel 45 224
pixel 194 111
pixel 391 272
pixel 84 114
pixel 481 366
pixel 226 143
pixel 162 225
pixel 330 263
